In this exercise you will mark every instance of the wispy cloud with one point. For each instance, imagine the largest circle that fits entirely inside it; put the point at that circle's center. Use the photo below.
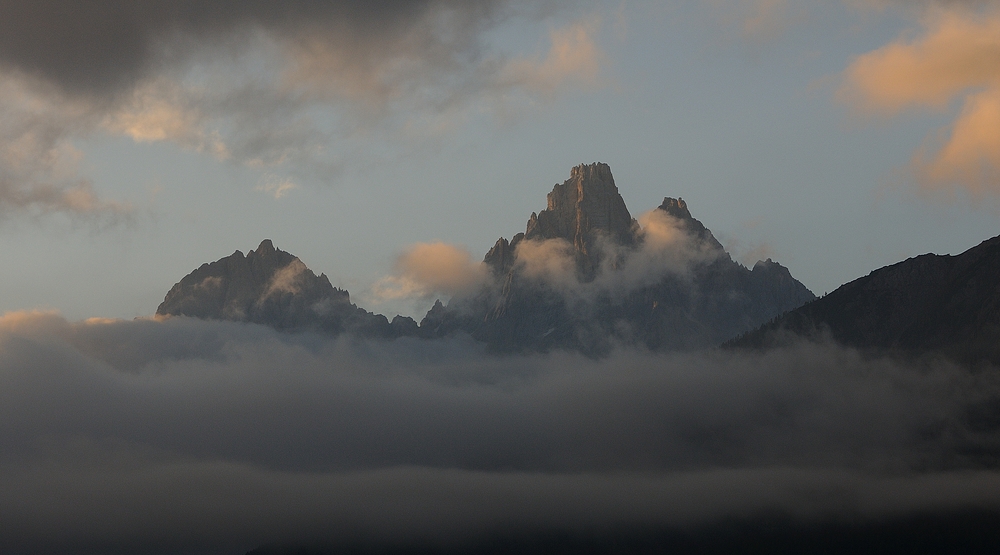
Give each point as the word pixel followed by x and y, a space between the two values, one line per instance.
pixel 277 186
pixel 766 19
pixel 666 249
pixel 39 164
pixel 162 110
pixel 955 59
pixel 758 21
pixel 573 58
pixel 294 91
pixel 431 268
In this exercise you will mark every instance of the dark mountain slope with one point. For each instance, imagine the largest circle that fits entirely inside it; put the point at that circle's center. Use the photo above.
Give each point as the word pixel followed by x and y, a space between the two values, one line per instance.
pixel 584 276
pixel 930 303
pixel 272 287
pixel 669 285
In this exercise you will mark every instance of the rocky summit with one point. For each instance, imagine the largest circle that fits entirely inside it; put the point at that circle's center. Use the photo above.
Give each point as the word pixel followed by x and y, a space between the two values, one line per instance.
pixel 584 210
pixel 272 287
pixel 584 275
pixel 668 286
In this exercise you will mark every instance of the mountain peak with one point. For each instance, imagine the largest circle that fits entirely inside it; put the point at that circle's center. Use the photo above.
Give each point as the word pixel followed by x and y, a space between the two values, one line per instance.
pixel 586 205
pixel 272 287
pixel 596 172
pixel 265 247
pixel 676 207
pixel 643 300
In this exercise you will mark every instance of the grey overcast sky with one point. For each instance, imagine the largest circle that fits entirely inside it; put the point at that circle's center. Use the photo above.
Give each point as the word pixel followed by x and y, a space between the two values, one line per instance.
pixel 141 139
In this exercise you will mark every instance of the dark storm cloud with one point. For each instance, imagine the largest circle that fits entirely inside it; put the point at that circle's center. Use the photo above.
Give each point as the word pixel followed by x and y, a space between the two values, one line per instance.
pixel 186 434
pixel 97 47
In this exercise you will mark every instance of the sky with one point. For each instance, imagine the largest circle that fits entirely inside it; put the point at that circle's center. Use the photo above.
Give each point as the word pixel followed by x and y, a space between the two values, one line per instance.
pixel 142 139
pixel 388 145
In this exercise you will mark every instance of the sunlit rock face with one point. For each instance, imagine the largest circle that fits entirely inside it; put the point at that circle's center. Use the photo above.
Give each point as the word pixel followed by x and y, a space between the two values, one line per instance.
pixel 584 210
pixel 943 304
pixel 271 287
pixel 586 276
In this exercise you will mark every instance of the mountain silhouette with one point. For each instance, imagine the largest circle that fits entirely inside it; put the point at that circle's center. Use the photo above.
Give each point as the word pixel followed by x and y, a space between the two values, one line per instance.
pixel 585 276
pixel 926 304
pixel 665 285
pixel 272 287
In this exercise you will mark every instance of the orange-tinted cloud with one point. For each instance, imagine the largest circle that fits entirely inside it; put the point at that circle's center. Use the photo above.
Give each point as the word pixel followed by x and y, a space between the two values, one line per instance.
pixel 297 92
pixel 956 58
pixel 549 260
pixel 276 186
pixel 574 56
pixel 971 154
pixel 430 71
pixel 162 111
pixel 39 164
pixel 429 268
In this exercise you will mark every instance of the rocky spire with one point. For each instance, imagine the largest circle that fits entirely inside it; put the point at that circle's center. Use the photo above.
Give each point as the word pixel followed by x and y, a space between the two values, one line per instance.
pixel 583 208
pixel 266 247
pixel 501 257
pixel 677 208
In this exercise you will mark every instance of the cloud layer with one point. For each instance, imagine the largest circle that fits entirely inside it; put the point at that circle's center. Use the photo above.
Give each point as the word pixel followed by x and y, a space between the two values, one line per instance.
pixel 110 47
pixel 186 434
pixel 293 91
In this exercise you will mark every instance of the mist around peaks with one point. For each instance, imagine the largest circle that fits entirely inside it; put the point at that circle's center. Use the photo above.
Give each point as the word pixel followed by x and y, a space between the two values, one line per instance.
pixel 426 270
pixel 583 276
pixel 429 269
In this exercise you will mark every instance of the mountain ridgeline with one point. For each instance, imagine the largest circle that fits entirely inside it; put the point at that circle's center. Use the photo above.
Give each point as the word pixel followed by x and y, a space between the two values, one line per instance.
pixel 584 276
pixel 272 287
pixel 929 304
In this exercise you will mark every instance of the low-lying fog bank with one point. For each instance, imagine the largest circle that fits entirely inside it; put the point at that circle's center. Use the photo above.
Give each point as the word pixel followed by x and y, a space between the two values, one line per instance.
pixel 191 436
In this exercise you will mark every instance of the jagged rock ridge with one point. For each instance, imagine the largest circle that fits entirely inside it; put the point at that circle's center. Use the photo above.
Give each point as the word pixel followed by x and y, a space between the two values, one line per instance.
pixel 926 304
pixel 707 301
pixel 272 287
pixel 670 285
